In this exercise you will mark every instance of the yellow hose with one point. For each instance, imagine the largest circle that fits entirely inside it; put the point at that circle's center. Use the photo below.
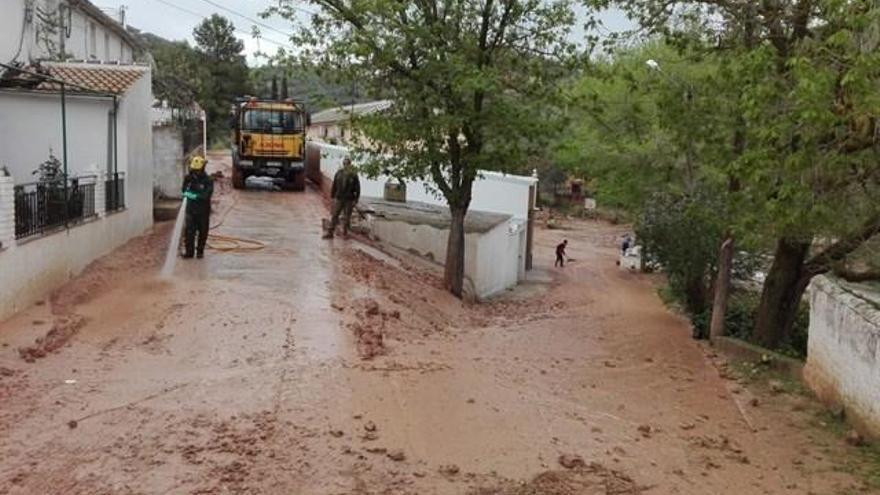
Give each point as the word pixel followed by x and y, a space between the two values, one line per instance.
pixel 225 243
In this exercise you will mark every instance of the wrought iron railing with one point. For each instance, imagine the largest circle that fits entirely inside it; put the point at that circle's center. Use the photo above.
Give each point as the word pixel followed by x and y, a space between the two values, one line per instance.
pixel 114 190
pixel 41 207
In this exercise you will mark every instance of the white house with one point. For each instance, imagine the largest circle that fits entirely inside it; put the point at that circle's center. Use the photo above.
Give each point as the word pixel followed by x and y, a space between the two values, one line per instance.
pixel 334 124
pixel 32 30
pixel 94 118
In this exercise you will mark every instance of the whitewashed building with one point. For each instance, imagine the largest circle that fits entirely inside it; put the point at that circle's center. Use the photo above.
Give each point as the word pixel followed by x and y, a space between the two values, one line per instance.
pixel 334 124
pixel 32 30
pixel 92 117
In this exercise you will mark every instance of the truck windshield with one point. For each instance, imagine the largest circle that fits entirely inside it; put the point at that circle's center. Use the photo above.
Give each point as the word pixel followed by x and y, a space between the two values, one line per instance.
pixel 274 121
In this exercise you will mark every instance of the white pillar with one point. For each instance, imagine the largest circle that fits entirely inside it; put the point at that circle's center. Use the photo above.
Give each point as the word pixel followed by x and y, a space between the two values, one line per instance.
pixel 7 212
pixel 100 192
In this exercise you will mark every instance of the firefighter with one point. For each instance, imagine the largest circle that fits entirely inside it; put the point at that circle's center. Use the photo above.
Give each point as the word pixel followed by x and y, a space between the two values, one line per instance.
pixel 346 191
pixel 197 189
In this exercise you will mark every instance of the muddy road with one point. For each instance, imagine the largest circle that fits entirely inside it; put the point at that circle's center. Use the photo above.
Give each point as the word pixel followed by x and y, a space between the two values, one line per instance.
pixel 315 367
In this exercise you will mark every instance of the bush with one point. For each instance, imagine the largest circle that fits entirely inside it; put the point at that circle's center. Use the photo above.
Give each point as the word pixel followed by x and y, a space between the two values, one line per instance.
pixel 739 322
pixel 681 233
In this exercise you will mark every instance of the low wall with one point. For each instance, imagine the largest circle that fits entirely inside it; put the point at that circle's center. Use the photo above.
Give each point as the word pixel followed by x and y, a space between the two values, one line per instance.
pixel 35 266
pixel 843 352
pixel 490 260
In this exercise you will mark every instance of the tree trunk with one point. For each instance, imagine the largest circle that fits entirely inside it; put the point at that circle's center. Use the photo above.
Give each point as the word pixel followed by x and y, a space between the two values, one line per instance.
pixel 454 274
pixel 782 293
pixel 722 289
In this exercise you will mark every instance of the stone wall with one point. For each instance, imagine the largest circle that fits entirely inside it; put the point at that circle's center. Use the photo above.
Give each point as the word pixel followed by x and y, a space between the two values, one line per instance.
pixel 843 363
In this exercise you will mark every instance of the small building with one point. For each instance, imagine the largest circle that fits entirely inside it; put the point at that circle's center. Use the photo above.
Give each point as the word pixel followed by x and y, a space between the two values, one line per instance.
pixel 76 167
pixel 334 125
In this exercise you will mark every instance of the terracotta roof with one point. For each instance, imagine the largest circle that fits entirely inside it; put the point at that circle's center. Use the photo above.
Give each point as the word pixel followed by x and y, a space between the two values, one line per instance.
pixel 83 78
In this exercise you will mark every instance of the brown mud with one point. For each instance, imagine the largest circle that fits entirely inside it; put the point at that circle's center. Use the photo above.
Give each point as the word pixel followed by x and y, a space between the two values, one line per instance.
pixel 316 367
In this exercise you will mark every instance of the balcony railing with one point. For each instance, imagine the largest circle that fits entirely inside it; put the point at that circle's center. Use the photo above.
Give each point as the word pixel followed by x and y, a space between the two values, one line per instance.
pixel 114 191
pixel 41 207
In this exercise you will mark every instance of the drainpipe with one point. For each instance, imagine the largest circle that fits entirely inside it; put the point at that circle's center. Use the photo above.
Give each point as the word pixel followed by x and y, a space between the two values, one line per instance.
pixel 64 146
pixel 115 140
pixel 115 154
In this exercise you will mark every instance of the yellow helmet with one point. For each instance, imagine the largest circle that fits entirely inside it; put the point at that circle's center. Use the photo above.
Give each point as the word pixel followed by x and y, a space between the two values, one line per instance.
pixel 197 163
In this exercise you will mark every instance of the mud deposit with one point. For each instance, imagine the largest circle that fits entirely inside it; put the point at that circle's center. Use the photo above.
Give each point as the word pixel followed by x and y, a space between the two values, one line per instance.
pixel 315 367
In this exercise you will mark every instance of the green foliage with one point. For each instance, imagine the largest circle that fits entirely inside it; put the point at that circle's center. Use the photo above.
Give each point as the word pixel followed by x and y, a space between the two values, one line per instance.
pixel 220 54
pixel 179 76
pixel 318 89
pixel 211 74
pixel 739 322
pixel 682 234
pixel 215 38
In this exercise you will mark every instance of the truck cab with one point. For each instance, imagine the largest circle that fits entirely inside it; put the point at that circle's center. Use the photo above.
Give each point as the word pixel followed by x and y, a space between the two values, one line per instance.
pixel 268 140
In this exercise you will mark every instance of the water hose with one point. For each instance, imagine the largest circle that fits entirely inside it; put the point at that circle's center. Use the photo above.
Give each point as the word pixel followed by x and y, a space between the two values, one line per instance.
pixel 225 243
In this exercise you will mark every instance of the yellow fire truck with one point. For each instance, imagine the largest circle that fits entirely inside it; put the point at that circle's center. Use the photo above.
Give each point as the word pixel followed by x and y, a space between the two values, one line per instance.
pixel 268 140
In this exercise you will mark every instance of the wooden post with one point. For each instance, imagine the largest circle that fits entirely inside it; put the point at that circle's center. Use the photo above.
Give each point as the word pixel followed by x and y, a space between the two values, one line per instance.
pixel 530 227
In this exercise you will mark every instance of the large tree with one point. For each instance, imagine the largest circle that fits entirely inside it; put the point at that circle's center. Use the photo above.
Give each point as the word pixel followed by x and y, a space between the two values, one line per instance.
pixel 471 82
pixel 223 59
pixel 806 167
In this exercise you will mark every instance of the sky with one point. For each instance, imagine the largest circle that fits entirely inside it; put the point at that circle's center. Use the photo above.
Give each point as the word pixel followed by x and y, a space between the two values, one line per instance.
pixel 175 19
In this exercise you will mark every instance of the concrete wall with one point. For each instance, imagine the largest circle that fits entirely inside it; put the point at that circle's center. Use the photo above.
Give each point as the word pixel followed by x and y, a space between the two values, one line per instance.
pixel 107 46
pixel 31 268
pixel 168 163
pixel 497 260
pixel 843 354
pixel 490 259
pixel 493 192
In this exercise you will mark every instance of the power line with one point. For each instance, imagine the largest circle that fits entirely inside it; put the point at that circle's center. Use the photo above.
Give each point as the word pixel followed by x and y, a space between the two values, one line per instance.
pixel 251 19
pixel 200 16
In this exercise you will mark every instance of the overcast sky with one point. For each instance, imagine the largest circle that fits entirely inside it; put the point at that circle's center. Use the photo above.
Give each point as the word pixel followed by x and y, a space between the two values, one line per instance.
pixel 175 19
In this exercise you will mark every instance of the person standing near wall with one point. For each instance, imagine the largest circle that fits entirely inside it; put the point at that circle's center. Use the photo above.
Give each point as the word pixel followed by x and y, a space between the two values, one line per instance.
pixel 198 187
pixel 345 192
pixel 560 253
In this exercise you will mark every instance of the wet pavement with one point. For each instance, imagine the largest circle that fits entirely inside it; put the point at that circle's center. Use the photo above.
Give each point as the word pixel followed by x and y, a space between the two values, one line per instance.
pixel 315 367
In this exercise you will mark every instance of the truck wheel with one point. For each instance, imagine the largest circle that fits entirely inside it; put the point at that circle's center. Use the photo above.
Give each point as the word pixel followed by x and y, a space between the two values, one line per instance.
pixel 237 178
pixel 299 181
pixel 296 181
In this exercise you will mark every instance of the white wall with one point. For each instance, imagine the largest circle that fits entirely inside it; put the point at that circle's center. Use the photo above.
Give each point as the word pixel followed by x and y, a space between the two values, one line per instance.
pixel 497 259
pixel 168 166
pixel 136 149
pixel 843 352
pixel 490 259
pixel 32 269
pixel 493 192
pixel 30 125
